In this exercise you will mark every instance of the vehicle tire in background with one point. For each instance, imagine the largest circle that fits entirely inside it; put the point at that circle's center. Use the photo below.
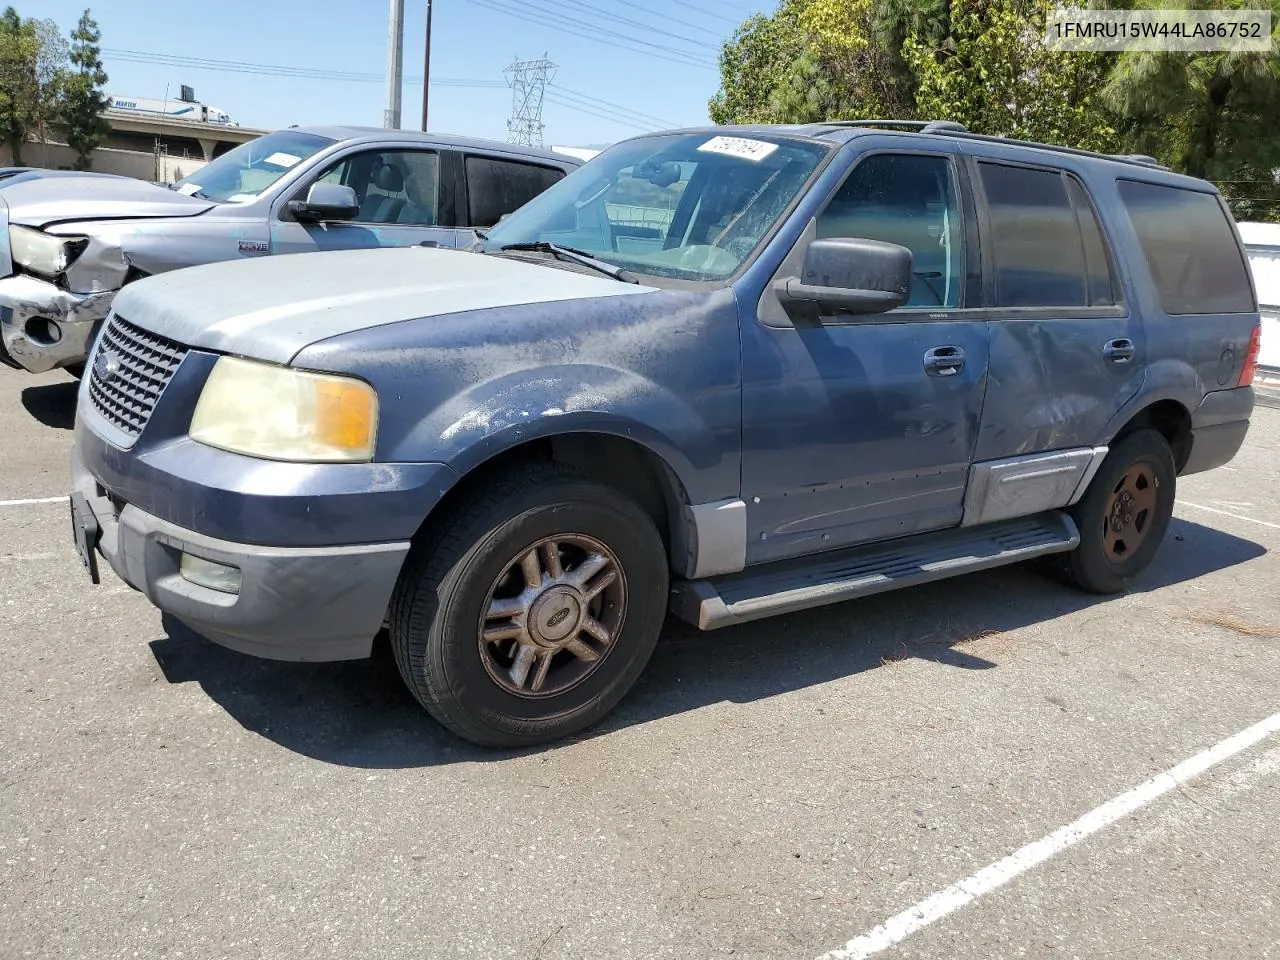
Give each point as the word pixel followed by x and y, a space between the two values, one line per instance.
pixel 1124 514
pixel 529 611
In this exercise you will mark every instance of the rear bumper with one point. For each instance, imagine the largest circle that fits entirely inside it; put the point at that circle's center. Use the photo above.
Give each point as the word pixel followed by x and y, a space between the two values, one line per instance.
pixel 295 603
pixel 1218 429
pixel 43 326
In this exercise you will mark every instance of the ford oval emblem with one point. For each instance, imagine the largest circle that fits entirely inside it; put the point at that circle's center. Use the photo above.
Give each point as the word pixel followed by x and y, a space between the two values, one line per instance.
pixel 559 617
pixel 106 365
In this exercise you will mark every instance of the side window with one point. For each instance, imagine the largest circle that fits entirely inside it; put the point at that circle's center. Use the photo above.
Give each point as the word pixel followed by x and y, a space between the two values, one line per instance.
pixel 1189 247
pixel 1037 248
pixel 909 200
pixel 1102 287
pixel 496 187
pixel 393 186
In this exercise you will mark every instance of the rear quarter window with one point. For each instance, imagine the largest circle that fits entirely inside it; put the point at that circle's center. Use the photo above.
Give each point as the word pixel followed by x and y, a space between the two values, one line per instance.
pixel 1190 249
pixel 497 187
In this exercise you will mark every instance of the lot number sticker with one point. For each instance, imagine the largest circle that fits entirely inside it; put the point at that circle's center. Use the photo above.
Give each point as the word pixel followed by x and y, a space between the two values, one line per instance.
pixel 739 147
pixel 285 160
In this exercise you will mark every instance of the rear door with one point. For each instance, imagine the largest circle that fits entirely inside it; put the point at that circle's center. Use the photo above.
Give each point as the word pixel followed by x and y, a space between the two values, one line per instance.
pixel 496 186
pixel 1066 351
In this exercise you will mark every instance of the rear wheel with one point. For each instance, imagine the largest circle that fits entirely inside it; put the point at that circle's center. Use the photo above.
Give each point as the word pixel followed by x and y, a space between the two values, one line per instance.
pixel 532 610
pixel 1124 514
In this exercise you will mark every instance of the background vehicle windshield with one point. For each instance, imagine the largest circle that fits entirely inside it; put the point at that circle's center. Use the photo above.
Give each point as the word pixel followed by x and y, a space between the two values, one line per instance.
pixel 691 206
pixel 252 167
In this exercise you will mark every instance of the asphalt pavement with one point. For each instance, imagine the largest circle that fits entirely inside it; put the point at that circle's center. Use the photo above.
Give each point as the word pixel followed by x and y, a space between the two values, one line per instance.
pixel 775 790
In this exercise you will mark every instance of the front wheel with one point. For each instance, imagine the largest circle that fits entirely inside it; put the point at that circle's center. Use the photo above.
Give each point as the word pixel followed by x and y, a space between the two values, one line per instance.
pixel 1124 514
pixel 533 611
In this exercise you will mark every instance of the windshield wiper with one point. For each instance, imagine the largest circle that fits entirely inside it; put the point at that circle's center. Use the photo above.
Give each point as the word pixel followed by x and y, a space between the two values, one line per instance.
pixel 573 256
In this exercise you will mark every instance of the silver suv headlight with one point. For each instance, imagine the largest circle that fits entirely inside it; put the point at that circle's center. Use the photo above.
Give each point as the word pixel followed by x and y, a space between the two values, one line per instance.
pixel 42 252
pixel 279 413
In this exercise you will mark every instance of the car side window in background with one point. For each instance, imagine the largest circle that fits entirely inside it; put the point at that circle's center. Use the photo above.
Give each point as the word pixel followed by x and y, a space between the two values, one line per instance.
pixel 1190 249
pixel 1037 248
pixel 909 200
pixel 393 186
pixel 496 187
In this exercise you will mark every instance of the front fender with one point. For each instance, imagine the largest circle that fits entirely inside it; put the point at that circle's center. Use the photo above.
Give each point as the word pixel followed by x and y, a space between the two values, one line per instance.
pixel 662 369
pixel 495 416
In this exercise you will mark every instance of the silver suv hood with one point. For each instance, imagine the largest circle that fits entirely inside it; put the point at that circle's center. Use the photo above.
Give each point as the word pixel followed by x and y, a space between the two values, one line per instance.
pixel 92 196
pixel 270 309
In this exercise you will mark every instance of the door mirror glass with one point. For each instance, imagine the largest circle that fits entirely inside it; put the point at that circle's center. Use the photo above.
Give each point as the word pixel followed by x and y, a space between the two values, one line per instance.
pixel 848 275
pixel 326 201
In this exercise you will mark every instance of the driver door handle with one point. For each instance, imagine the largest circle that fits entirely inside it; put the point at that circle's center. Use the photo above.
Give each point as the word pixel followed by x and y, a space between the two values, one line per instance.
pixel 1120 350
pixel 943 361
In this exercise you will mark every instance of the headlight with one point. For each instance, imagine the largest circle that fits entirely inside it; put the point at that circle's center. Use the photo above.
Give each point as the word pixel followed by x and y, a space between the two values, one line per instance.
pixel 44 253
pixel 284 414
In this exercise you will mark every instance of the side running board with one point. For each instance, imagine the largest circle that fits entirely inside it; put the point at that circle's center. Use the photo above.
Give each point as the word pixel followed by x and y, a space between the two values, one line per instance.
pixel 789 585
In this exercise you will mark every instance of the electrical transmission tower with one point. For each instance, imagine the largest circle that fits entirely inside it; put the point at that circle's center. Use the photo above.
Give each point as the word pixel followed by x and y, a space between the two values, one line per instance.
pixel 528 81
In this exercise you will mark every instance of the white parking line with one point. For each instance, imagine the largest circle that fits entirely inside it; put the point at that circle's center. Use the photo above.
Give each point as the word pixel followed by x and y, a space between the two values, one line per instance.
pixel 1228 513
pixel 896 929
pixel 32 501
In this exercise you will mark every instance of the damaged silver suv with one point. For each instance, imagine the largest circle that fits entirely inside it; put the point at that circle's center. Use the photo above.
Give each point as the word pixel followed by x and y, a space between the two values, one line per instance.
pixel 69 242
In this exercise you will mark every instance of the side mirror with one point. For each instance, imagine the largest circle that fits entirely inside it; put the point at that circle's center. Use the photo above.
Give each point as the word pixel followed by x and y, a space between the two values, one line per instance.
pixel 326 201
pixel 843 275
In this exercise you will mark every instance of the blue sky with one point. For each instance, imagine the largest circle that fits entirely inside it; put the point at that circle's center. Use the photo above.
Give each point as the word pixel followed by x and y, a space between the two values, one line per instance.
pixel 473 40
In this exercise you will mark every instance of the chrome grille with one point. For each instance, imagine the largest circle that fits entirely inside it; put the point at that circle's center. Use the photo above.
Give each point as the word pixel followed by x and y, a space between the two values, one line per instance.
pixel 130 369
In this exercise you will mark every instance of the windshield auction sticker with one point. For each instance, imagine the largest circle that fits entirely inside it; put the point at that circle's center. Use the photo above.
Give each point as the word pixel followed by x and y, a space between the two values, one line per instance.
pixel 739 147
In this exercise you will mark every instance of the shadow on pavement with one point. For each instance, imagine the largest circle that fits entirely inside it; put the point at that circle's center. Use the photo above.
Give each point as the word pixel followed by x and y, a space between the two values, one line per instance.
pixel 53 404
pixel 360 714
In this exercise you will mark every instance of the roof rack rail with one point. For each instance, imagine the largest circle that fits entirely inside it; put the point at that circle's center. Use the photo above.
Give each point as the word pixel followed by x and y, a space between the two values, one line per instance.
pixel 1141 158
pixel 954 129
pixel 1137 159
pixel 924 126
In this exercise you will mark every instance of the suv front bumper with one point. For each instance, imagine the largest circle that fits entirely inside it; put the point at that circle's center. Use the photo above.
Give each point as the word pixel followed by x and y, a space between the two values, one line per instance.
pixel 43 326
pixel 294 603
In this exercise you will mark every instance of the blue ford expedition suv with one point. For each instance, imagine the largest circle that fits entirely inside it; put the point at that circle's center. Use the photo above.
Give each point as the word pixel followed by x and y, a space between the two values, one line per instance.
pixel 733 372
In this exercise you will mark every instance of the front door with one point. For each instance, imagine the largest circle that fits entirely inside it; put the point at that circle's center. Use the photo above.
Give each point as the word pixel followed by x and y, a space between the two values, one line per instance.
pixel 1066 355
pixel 399 194
pixel 859 428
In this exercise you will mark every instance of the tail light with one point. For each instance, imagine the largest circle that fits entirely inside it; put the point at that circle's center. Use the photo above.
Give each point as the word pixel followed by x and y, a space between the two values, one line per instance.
pixel 1251 357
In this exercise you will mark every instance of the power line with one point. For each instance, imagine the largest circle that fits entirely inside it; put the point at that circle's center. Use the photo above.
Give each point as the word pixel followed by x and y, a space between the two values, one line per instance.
pixel 667 18
pixel 581 100
pixel 663 53
pixel 634 23
pixel 302 73
pixel 579 108
pixel 590 100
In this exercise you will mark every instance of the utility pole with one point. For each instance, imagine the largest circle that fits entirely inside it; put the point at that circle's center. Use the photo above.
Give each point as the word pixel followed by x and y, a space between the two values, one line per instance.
pixel 528 81
pixel 426 69
pixel 395 65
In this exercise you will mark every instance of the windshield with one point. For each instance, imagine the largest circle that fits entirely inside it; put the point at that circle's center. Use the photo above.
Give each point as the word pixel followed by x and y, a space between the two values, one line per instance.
pixel 243 173
pixel 688 206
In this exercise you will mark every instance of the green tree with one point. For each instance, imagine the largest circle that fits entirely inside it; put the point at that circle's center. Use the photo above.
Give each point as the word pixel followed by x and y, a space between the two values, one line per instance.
pixel 810 60
pixel 995 75
pixel 753 63
pixel 33 57
pixel 84 100
pixel 1209 114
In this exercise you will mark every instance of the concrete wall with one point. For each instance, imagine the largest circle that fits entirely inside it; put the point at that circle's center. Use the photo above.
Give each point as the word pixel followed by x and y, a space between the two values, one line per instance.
pixel 128 163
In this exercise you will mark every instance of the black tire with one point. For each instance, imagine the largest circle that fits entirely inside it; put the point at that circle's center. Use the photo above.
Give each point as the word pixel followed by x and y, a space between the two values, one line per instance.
pixel 449 581
pixel 1103 563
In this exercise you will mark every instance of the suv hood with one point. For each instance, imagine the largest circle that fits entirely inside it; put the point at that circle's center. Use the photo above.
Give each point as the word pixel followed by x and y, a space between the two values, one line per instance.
pixel 270 309
pixel 39 201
